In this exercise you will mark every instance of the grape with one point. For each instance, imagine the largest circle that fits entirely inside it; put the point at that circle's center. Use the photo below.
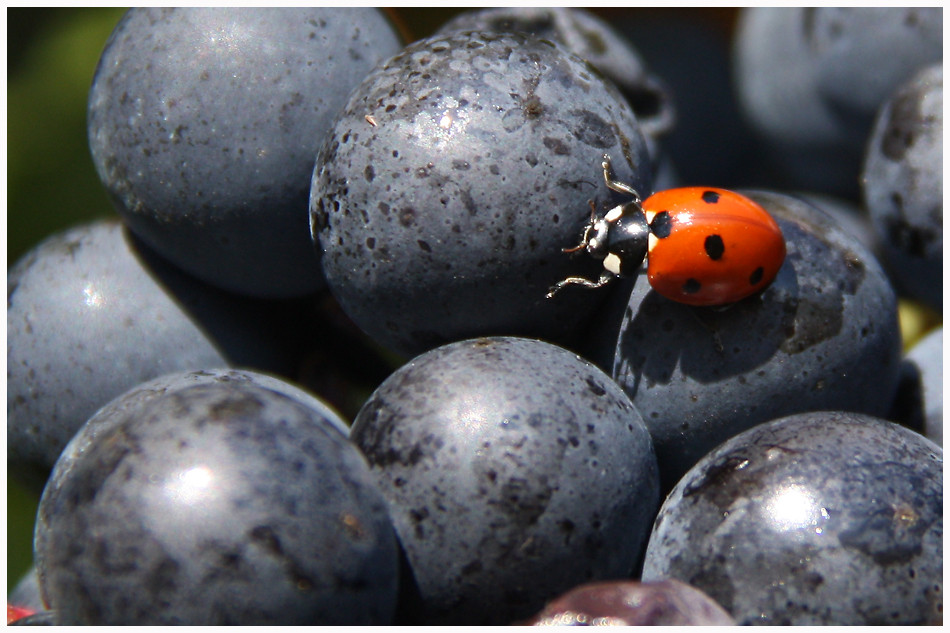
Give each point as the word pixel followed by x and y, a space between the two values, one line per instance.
pixel 91 312
pixel 903 185
pixel 203 125
pixel 514 470
pixel 824 518
pixel 593 39
pixel 452 179
pixel 631 603
pixel 217 503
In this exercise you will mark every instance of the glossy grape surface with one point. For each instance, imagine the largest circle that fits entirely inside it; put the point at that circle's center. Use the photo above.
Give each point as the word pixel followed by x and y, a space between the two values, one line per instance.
pixel 220 503
pixel 814 519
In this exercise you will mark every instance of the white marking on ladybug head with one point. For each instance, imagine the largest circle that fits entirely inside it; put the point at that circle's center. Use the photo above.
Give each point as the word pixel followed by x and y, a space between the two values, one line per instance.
pixel 614 214
pixel 612 263
pixel 596 237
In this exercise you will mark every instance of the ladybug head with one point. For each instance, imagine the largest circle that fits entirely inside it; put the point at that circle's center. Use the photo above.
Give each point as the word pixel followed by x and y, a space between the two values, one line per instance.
pixel 595 238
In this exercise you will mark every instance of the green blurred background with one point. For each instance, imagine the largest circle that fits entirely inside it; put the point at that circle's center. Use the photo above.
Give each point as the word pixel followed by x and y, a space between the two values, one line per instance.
pixel 51 183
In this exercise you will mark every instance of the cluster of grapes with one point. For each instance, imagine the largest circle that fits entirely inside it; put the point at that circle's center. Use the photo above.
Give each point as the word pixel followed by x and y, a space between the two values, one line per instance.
pixel 305 199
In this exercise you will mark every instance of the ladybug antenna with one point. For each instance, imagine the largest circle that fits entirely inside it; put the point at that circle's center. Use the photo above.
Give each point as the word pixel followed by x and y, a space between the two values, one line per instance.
pixel 591 226
pixel 616 185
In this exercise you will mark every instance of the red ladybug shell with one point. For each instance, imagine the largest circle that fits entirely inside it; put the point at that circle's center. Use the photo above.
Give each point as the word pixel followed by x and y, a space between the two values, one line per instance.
pixel 710 246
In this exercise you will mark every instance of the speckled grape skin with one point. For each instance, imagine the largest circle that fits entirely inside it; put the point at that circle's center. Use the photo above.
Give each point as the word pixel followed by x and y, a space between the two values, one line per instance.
pixel 824 335
pixel 903 185
pixel 204 123
pixel 514 471
pixel 810 80
pixel 451 181
pixel 591 38
pixel 851 217
pixel 815 519
pixel 90 313
pixel 666 602
pixel 223 503
pixel 140 395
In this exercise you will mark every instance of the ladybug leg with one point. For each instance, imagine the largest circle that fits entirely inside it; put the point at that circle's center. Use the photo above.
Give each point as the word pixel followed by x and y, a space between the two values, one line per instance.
pixel 616 185
pixel 605 278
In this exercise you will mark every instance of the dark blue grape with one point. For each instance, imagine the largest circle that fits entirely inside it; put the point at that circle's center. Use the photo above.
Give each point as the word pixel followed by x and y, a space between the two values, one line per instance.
pixel 824 518
pixel 452 179
pixel 903 185
pixel 217 503
pixel 514 470
pixel 140 395
pixel 204 123
pixel 591 38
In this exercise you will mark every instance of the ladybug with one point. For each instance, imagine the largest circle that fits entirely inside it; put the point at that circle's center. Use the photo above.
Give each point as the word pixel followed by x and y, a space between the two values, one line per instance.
pixel 704 246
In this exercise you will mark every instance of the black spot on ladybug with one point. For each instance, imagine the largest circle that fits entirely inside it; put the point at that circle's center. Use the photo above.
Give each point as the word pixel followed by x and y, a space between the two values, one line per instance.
pixel 662 224
pixel 756 276
pixel 710 197
pixel 714 247
pixel 691 286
